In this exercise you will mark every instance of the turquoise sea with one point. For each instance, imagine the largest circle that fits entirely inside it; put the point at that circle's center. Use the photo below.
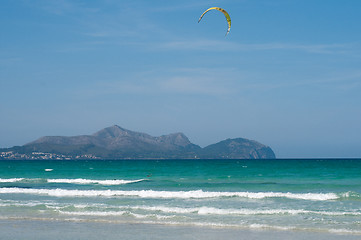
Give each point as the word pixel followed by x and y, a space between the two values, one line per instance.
pixel 298 196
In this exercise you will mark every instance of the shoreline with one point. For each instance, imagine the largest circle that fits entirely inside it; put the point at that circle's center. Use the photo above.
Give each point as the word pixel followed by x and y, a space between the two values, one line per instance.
pixel 53 230
pixel 177 159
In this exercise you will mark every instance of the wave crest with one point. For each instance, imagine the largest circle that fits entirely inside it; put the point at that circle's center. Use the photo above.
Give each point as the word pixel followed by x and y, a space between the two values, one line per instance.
pixel 197 194
pixel 72 181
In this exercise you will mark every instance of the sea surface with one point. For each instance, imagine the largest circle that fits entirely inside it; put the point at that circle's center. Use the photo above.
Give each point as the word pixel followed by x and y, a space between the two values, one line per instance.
pixel 302 196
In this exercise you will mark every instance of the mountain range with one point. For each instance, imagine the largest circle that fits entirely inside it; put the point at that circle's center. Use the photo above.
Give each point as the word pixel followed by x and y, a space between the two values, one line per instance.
pixel 118 143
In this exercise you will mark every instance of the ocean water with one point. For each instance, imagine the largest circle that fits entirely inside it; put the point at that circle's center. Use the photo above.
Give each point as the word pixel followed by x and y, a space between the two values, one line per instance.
pixel 304 196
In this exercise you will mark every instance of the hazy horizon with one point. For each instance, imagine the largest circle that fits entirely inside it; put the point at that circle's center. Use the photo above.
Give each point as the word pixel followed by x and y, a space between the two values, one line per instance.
pixel 287 75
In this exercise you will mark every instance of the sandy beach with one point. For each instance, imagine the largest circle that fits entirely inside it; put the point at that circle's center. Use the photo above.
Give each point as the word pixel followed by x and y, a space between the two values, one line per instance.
pixel 54 230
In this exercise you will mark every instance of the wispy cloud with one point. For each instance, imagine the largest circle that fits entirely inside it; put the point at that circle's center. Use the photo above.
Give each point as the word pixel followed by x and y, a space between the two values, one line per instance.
pixel 212 45
pixel 173 85
pixel 341 80
pixel 190 6
pixel 345 81
pixel 216 82
pixel 110 19
pixel 64 7
pixel 178 81
pixel 198 85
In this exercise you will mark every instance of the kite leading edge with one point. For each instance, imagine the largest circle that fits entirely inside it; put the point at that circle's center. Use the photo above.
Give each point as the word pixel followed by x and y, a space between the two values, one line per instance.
pixel 225 14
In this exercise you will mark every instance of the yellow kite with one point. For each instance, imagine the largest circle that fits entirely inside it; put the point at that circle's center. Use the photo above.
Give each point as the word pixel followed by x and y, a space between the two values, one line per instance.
pixel 225 14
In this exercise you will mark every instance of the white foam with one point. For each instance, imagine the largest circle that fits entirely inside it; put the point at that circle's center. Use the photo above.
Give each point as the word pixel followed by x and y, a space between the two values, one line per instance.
pixel 166 209
pixel 91 181
pixel 254 226
pixel 179 210
pixel 93 213
pixel 115 213
pixel 219 211
pixel 345 231
pixel 9 180
pixel 73 181
pixel 265 226
pixel 198 194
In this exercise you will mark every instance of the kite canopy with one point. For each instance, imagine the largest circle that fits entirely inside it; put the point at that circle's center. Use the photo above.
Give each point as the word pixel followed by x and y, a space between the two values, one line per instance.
pixel 225 14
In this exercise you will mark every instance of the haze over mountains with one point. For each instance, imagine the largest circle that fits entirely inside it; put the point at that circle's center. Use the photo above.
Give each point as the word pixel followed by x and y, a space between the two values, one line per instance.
pixel 118 143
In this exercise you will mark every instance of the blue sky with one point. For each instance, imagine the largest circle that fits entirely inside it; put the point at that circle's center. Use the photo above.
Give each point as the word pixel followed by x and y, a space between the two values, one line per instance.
pixel 288 74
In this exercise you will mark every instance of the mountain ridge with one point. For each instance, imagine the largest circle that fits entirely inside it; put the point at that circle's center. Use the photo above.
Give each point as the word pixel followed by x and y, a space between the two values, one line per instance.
pixel 115 142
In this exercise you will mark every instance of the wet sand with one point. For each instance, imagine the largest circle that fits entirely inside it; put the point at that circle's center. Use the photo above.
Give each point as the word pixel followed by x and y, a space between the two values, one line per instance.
pixel 56 230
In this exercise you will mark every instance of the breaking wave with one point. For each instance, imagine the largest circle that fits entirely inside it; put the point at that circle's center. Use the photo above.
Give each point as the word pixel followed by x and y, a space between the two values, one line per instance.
pixel 198 194
pixel 90 181
pixel 10 180
pixel 218 211
pixel 72 181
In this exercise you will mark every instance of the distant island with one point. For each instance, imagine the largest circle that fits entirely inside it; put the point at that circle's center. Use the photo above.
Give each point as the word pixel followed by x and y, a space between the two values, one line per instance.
pixel 118 143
